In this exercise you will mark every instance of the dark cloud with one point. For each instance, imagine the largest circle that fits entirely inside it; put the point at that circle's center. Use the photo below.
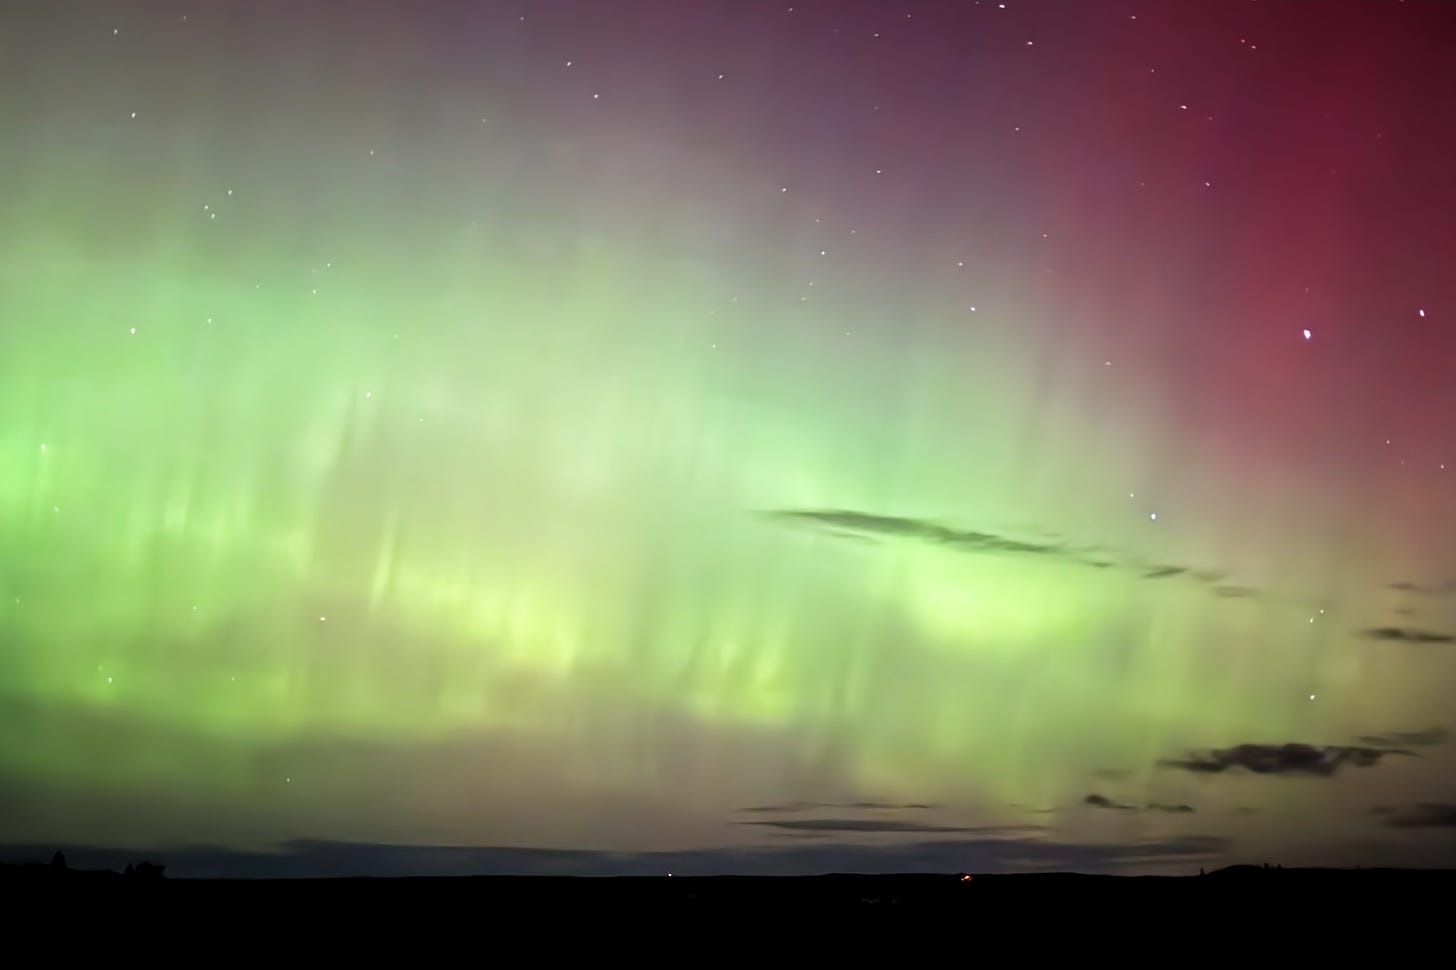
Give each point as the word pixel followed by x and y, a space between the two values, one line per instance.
pixel 881 806
pixel 1398 634
pixel 820 806
pixel 1428 815
pixel 787 807
pixel 879 825
pixel 1102 801
pixel 1419 590
pixel 921 529
pixel 1407 739
pixel 1282 759
pixel 343 859
pixel 844 523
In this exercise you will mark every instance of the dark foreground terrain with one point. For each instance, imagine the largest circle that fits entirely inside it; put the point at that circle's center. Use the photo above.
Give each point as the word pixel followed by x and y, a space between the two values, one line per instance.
pixel 1361 890
pixel 1368 918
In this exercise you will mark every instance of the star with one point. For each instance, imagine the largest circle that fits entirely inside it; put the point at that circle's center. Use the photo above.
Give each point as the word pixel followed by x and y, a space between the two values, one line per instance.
pixel 1306 335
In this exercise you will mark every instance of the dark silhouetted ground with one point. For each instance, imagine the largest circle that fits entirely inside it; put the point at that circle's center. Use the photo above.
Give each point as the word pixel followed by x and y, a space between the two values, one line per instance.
pixel 1344 888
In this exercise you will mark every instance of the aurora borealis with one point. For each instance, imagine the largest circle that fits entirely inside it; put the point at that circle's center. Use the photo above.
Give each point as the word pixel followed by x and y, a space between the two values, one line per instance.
pixel 1008 434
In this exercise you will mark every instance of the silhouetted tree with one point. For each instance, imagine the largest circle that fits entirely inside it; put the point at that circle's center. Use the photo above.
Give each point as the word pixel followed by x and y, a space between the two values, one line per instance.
pixel 58 861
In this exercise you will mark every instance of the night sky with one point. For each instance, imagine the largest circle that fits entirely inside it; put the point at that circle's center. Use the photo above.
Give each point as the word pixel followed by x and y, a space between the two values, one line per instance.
pixel 729 435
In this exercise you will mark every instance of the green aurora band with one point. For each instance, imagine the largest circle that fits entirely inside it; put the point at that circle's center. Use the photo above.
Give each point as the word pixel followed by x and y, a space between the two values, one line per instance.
pixel 308 518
